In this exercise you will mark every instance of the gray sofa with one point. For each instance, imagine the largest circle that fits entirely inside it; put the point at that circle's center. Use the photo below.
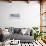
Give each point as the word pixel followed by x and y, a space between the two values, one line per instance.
pixel 22 38
pixel 17 35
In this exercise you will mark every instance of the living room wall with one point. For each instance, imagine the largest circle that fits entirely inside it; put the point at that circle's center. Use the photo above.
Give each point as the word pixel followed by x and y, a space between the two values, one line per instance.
pixel 29 14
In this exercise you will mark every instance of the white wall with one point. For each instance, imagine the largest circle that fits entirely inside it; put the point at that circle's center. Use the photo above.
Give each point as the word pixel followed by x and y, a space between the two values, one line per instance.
pixel 29 14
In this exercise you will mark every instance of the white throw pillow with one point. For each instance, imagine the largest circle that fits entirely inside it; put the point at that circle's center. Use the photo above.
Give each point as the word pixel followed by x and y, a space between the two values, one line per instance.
pixel 23 31
pixel 5 32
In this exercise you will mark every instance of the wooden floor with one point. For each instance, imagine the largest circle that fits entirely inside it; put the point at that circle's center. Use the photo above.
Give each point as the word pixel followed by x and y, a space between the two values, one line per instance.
pixel 35 43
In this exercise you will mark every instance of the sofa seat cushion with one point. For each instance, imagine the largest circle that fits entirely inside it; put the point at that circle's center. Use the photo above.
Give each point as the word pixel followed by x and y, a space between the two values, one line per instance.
pixel 20 37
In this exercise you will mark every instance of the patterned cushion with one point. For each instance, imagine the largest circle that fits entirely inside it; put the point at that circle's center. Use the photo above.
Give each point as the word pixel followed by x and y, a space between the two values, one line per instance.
pixel 17 30
pixel 11 30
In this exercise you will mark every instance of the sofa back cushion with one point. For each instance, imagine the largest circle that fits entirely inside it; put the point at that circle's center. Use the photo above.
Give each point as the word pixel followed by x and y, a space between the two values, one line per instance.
pixel 11 30
pixel 17 30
